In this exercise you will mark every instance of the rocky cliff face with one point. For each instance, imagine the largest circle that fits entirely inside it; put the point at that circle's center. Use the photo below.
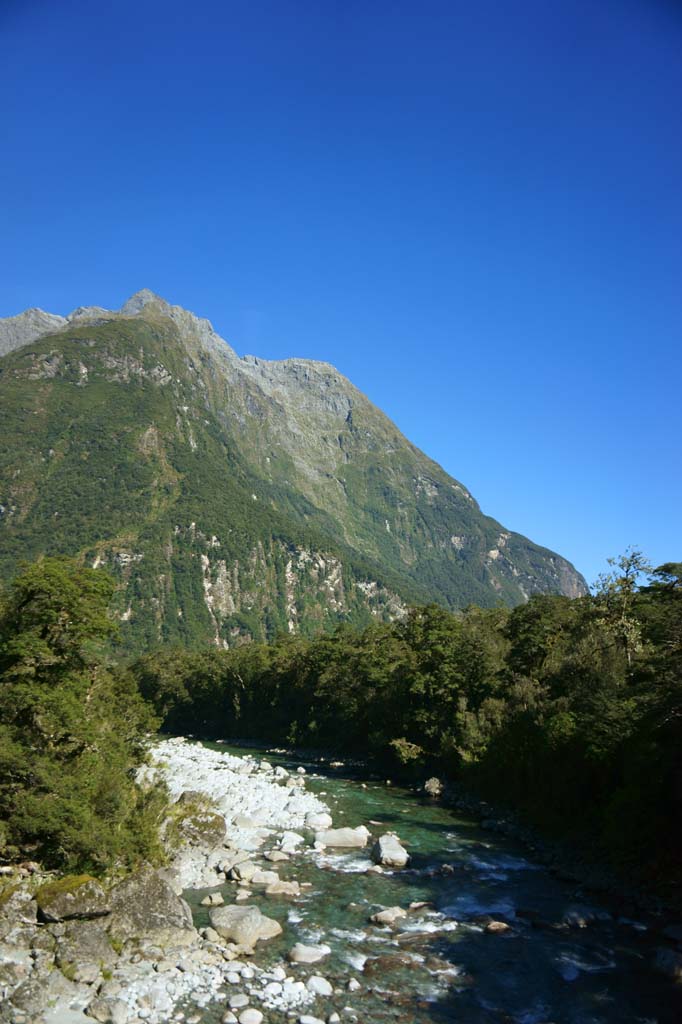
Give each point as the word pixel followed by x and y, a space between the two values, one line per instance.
pixel 232 497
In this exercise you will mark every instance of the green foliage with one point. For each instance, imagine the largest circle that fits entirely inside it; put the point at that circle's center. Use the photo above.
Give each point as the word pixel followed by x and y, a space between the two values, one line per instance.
pixel 551 707
pixel 71 728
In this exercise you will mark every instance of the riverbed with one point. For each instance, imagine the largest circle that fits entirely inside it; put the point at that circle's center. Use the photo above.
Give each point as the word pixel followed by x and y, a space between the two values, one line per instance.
pixel 563 959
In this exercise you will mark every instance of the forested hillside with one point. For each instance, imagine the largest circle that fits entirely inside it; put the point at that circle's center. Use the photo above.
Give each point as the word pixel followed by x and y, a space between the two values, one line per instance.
pixel 232 498
pixel 570 710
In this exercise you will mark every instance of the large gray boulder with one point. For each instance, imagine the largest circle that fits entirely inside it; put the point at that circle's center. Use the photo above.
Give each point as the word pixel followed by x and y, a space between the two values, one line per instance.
pixel 351 838
pixel 245 926
pixel 143 906
pixel 71 897
pixel 84 942
pixel 389 852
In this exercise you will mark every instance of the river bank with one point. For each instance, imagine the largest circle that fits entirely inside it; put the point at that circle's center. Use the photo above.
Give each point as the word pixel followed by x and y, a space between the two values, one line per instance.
pixel 257 918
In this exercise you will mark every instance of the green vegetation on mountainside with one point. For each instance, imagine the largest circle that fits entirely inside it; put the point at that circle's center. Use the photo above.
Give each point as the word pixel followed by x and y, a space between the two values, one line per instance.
pixel 232 506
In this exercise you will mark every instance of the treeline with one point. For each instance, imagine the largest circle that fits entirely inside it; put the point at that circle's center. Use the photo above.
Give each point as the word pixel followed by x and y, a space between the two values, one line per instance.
pixel 568 710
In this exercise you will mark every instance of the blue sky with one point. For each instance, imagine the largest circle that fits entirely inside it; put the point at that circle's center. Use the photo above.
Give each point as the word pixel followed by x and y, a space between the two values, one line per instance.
pixel 474 210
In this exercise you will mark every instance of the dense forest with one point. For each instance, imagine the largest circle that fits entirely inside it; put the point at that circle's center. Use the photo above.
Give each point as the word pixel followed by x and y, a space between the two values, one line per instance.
pixel 569 710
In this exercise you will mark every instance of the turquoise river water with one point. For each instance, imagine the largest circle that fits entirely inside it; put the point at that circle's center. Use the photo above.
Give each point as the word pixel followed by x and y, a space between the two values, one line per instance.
pixel 440 965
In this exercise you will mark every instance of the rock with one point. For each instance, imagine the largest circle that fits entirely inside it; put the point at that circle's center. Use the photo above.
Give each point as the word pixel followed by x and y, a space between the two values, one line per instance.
pixel 388 916
pixel 319 986
pixel 84 942
pixel 143 906
pixel 306 1018
pixel 301 770
pixel 496 927
pixel 433 787
pixel 343 837
pixel 282 888
pixel 389 852
pixel 203 828
pixel 250 1016
pixel 318 820
pixel 302 954
pixel 291 839
pixel 244 926
pixel 581 917
pixel 261 877
pixel 244 872
pixel 214 899
pixel 374 869
pixel 669 962
pixel 275 856
pixel 238 1002
pixel 18 906
pixel 353 985
pixel 72 896
pixel 108 1011
pixel 243 821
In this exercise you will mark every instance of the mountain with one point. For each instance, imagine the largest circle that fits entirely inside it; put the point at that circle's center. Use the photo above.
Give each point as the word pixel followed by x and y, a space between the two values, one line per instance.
pixel 231 497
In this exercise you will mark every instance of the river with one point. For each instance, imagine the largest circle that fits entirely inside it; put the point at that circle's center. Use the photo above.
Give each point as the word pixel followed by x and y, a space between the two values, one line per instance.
pixel 439 964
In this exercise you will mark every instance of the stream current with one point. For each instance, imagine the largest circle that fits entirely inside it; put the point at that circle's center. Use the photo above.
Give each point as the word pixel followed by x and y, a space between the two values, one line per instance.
pixel 438 963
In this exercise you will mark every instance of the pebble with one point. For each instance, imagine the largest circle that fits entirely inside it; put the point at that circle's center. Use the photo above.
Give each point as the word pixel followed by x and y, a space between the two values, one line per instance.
pixel 229 1018
pixel 307 1019
pixel 353 985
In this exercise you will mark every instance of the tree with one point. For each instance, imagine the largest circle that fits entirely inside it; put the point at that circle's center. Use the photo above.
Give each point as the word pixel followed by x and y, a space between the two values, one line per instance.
pixel 71 729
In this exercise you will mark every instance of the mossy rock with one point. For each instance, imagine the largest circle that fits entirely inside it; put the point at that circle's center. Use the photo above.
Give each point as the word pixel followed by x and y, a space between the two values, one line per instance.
pixel 73 896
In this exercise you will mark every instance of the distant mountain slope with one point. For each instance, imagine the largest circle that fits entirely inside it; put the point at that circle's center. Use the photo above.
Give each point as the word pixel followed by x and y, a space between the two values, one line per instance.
pixel 232 497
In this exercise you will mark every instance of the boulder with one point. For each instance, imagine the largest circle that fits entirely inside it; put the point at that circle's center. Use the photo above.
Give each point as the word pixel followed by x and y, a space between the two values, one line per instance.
pixel 274 856
pixel 18 906
pixel 282 888
pixel 84 942
pixel 302 954
pixel 72 896
pixel 244 872
pixel 250 1016
pixel 214 899
pixel 244 926
pixel 433 787
pixel 261 877
pixel 318 985
pixel 203 828
pixel 496 927
pixel 388 916
pixel 143 906
pixel 318 820
pixel 343 837
pixel 389 852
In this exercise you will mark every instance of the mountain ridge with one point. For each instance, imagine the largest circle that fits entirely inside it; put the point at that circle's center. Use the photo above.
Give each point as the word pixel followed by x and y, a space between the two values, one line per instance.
pixel 319 508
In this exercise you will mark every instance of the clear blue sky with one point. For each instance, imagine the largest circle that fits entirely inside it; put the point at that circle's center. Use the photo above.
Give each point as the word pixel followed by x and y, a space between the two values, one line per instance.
pixel 473 209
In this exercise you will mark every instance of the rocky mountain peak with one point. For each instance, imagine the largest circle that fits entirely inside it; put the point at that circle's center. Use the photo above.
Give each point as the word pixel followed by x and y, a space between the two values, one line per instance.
pixel 137 302
pixel 16 331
